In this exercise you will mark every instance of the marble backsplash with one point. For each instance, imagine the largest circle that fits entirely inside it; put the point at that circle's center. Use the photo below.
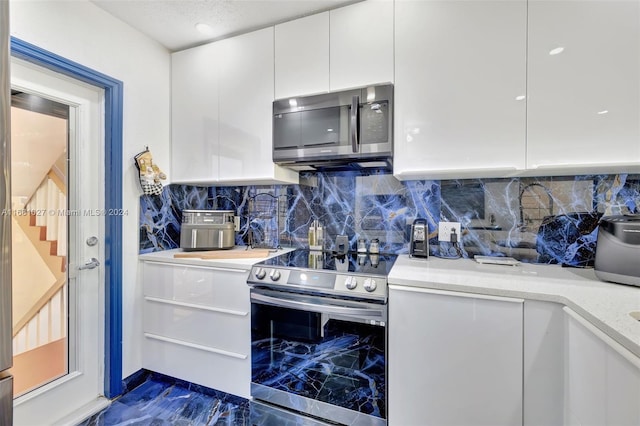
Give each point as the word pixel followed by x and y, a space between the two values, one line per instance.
pixel 540 220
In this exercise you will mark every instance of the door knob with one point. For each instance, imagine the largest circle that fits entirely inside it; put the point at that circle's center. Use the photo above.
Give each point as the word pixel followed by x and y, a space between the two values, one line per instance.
pixel 91 264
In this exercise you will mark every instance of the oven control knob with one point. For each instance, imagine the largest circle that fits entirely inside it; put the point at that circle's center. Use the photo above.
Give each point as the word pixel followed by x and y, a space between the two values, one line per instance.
pixel 351 282
pixel 370 284
pixel 274 275
pixel 260 274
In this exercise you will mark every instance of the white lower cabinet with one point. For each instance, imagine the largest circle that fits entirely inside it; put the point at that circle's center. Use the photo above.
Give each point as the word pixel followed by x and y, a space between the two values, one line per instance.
pixel 602 378
pixel 454 358
pixel 197 325
pixel 544 335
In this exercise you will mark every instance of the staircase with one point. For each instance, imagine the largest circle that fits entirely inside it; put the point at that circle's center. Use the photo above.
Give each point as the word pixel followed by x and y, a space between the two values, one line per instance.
pixel 45 226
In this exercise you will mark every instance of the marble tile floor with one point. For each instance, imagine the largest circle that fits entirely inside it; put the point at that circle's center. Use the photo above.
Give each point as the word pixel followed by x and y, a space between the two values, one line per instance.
pixel 160 400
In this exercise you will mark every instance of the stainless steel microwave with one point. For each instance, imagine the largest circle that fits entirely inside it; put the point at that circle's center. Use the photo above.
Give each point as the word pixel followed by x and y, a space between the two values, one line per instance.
pixel 346 130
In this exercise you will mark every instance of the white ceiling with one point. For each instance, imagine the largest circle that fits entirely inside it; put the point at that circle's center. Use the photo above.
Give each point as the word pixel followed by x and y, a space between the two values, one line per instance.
pixel 172 22
pixel 33 132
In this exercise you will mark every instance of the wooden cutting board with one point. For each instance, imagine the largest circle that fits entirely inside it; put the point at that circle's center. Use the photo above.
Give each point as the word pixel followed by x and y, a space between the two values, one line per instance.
pixel 223 254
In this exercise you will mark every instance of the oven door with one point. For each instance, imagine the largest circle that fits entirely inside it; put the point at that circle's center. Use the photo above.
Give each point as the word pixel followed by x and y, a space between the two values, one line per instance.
pixel 320 356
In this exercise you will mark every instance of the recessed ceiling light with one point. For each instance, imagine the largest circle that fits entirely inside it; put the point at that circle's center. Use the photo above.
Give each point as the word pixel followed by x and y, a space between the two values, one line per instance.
pixel 556 51
pixel 603 112
pixel 521 98
pixel 205 29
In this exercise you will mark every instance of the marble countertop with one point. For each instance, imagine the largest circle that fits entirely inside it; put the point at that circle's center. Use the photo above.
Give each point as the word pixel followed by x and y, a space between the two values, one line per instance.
pixel 245 263
pixel 605 305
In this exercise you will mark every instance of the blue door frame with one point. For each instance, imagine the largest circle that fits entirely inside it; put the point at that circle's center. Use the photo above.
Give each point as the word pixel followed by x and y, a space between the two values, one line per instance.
pixel 113 92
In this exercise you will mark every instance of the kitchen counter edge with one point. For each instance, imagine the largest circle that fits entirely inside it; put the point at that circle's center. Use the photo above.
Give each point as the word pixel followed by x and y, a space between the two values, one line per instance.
pixel 166 256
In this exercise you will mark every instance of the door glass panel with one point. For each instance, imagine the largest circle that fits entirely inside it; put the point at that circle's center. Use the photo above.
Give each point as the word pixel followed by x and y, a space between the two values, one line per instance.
pixel 39 146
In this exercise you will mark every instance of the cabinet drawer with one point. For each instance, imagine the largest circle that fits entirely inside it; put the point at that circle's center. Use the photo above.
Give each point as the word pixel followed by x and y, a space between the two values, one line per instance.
pixel 213 327
pixel 208 286
pixel 215 370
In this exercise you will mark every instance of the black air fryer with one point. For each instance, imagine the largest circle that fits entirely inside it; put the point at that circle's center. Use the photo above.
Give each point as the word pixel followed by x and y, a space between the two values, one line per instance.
pixel 618 249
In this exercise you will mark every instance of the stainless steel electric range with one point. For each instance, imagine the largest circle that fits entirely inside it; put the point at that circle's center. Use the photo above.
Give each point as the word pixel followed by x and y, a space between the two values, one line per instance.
pixel 319 338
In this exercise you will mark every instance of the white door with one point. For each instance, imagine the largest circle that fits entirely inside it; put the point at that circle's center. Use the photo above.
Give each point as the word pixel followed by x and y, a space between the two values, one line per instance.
pixel 82 385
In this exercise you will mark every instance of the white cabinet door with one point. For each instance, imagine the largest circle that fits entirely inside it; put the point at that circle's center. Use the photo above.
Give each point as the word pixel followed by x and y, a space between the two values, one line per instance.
pixel 543 363
pixel 246 105
pixel 302 56
pixel 454 358
pixel 583 86
pixel 197 325
pixel 623 389
pixel 586 381
pixel 361 44
pixel 460 88
pixel 194 115
pixel 602 377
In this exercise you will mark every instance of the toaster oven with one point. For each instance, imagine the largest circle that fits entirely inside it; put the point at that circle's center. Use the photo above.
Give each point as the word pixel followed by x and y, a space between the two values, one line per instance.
pixel 207 230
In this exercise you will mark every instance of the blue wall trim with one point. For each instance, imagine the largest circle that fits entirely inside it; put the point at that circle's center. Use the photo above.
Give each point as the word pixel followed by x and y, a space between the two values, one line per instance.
pixel 113 90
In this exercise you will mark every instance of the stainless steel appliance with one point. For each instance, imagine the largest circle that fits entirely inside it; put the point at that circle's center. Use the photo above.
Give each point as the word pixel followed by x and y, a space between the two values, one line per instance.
pixel 419 245
pixel 351 129
pixel 618 249
pixel 6 356
pixel 319 338
pixel 207 230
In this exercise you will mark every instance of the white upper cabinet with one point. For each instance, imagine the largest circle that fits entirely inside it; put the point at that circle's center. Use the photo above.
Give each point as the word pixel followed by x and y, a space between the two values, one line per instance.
pixel 460 88
pixel 584 86
pixel 246 99
pixel 222 113
pixel 361 44
pixel 194 115
pixel 302 56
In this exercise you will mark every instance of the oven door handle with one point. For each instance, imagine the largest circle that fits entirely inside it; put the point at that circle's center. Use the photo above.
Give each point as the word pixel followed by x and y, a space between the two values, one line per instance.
pixel 362 313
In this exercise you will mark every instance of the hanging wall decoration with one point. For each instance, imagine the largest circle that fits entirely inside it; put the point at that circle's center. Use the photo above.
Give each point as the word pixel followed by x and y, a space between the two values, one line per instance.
pixel 149 173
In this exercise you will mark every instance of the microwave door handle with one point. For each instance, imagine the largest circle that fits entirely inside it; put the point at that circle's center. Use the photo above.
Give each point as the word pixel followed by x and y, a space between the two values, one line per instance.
pixel 317 144
pixel 365 313
pixel 355 112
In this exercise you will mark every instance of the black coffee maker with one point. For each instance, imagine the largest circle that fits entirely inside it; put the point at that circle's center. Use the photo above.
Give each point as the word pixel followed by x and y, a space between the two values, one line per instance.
pixel 419 245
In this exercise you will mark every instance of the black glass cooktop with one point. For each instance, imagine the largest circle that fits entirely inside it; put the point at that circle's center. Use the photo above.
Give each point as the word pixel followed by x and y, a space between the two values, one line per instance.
pixel 358 263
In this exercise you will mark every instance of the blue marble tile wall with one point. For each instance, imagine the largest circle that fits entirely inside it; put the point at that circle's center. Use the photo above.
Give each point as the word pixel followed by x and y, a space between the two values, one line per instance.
pixel 539 220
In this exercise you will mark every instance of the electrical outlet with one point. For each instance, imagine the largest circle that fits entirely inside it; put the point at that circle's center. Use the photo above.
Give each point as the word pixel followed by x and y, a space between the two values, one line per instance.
pixel 236 223
pixel 445 229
